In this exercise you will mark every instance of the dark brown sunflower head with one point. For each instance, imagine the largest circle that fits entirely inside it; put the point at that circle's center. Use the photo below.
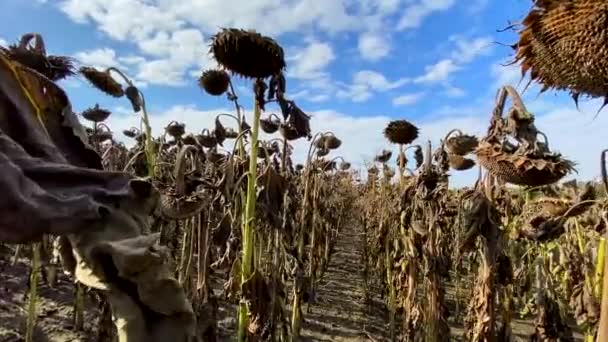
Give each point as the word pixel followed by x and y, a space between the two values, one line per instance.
pixel 103 81
pixel 96 114
pixel 59 68
pixel 34 57
pixel 247 53
pixel 289 132
pixel 219 132
pixel 332 142
pixel 401 132
pixel 132 94
pixel 271 124
pixel 100 134
pixel 461 144
pixel 322 152
pixel 266 150
pixel 175 129
pixel 460 163
pixel 320 141
pixel 214 82
pixel 231 133
pixel 206 139
pixel 384 156
pixel 418 156
pixel 131 133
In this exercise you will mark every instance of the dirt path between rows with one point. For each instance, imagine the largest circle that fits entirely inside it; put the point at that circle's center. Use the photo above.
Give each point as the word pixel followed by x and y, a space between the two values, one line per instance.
pixel 340 313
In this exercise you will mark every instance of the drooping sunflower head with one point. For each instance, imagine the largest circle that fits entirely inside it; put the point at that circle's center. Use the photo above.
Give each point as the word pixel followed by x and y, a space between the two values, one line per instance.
pixel 31 52
pixel 214 82
pixel 401 132
pixel 103 81
pixel 247 53
pixel 96 114
pixel 562 46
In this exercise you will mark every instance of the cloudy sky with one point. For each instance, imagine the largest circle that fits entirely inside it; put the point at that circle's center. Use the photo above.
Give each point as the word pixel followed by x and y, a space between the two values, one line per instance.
pixel 351 64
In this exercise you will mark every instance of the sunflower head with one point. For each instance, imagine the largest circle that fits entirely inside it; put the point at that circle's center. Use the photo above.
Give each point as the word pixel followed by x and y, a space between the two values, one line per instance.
pixel 103 81
pixel 34 57
pixel 214 82
pixel 401 132
pixel 562 46
pixel 96 114
pixel 247 53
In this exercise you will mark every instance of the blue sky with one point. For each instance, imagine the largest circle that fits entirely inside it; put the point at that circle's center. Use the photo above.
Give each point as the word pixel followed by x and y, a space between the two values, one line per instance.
pixel 352 65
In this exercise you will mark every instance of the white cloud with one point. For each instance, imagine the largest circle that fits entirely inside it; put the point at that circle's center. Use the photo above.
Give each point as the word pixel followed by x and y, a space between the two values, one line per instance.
pixel 173 54
pixel 365 83
pixel 162 72
pixel 172 35
pixel 178 52
pixel 131 60
pixel 373 46
pixel 416 12
pixel 3 42
pixel 356 93
pixel 125 19
pixel 122 19
pixel 319 98
pixel 307 95
pixel 466 50
pixel 408 99
pixel 99 58
pixel 380 7
pixel 469 49
pixel 377 81
pixel 438 72
pixel 311 61
pixel 454 92
pixel 505 75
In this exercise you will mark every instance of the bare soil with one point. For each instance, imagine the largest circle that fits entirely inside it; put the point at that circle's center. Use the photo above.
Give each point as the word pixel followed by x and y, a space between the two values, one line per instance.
pixel 55 305
pixel 340 312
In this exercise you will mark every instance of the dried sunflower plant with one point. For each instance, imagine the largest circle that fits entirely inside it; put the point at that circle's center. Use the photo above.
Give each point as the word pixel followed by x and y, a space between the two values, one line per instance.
pixel 234 210
pixel 193 223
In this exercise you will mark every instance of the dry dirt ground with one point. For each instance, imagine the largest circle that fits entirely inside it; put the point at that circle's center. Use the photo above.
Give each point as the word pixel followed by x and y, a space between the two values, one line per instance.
pixel 339 314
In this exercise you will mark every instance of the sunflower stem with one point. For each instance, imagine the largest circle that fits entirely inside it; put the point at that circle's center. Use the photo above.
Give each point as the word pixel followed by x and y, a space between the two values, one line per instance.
pixel 248 222
pixel 145 120
pixel 602 334
pixel 599 268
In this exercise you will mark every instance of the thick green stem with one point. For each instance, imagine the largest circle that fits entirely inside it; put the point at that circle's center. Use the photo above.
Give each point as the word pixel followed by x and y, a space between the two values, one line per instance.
pixel 599 268
pixel 248 222
pixel 602 334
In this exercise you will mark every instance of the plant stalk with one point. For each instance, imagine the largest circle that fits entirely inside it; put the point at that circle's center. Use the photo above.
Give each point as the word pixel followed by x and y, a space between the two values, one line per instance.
pixel 248 222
